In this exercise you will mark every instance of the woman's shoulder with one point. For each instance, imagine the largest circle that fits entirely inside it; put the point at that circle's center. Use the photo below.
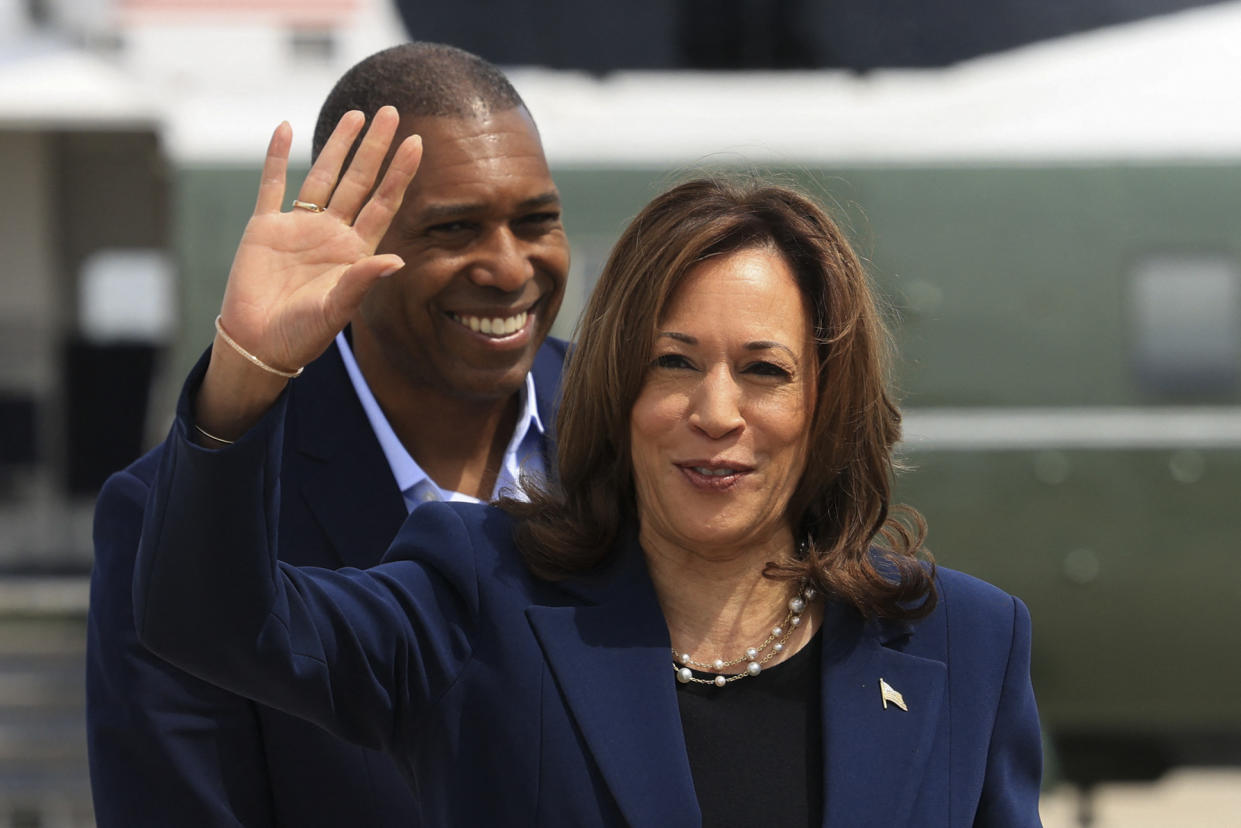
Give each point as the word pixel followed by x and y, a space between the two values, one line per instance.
pixel 966 591
pixel 462 541
pixel 481 526
pixel 973 610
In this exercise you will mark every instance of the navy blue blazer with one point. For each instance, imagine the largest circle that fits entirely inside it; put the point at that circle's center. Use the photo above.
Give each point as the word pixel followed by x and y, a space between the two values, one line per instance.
pixel 507 700
pixel 169 749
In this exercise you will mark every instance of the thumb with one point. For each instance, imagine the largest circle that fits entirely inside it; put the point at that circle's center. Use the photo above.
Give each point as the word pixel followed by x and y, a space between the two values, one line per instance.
pixel 347 294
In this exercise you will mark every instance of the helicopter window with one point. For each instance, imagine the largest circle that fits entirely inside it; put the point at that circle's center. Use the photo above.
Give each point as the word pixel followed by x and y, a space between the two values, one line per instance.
pixel 1185 315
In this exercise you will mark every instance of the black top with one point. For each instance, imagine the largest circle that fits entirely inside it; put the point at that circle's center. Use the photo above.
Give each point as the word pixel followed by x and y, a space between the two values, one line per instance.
pixel 755 745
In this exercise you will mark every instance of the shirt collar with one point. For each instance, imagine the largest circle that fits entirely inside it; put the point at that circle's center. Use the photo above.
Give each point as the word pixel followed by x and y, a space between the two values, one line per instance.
pixel 405 470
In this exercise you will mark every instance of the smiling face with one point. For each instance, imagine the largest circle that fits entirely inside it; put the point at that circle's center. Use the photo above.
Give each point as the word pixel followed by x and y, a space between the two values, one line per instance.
pixel 486 261
pixel 720 428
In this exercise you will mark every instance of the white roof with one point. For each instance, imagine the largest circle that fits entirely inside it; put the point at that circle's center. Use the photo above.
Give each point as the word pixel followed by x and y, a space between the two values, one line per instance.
pixel 59 88
pixel 1162 89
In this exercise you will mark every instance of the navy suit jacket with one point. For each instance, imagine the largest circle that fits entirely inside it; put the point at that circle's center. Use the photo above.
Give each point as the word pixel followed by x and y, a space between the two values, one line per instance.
pixel 169 749
pixel 507 700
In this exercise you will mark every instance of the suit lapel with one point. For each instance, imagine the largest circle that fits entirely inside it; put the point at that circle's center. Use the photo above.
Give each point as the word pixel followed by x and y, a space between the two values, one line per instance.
pixel 342 475
pixel 610 658
pixel 547 371
pixel 611 661
pixel 875 759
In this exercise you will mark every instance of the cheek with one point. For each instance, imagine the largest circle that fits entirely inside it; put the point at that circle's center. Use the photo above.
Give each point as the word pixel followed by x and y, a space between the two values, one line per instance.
pixel 656 412
pixel 415 288
pixel 653 417
pixel 783 417
pixel 556 261
pixel 786 427
pixel 551 292
pixel 383 301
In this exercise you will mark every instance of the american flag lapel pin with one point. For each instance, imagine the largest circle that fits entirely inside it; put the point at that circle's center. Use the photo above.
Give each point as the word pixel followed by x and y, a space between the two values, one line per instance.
pixel 890 694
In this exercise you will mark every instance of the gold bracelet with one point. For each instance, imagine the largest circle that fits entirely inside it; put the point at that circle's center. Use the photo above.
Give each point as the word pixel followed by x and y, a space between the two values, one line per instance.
pixel 204 432
pixel 219 328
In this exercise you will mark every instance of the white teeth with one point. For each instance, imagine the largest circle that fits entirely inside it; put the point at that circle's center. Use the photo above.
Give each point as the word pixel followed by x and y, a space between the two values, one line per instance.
pixel 494 326
pixel 713 472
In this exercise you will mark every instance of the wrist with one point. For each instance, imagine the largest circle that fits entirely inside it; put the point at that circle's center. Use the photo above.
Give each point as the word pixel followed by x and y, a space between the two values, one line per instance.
pixel 254 360
pixel 234 395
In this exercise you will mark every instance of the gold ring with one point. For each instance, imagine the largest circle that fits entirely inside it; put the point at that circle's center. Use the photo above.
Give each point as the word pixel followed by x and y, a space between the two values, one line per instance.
pixel 307 205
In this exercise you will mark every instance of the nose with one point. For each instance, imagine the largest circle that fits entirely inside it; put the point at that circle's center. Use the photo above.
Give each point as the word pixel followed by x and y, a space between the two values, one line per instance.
pixel 501 261
pixel 716 404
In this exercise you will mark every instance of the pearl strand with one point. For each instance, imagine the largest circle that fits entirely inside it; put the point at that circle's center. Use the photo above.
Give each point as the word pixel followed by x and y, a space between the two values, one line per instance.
pixel 755 657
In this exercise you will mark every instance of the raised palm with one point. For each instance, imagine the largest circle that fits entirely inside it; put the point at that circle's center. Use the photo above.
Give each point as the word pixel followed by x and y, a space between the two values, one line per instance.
pixel 299 276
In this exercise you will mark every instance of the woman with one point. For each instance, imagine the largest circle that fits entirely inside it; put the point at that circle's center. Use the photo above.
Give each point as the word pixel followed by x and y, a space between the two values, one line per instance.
pixel 712 620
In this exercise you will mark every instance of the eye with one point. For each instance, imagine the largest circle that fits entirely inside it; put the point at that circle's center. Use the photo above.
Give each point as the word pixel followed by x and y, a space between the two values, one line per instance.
pixel 672 361
pixel 451 228
pixel 538 223
pixel 548 217
pixel 768 369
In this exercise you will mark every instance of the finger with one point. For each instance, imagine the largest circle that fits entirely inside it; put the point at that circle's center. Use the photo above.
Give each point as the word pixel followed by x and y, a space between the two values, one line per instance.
pixel 346 295
pixel 321 180
pixel 379 211
pixel 358 180
pixel 271 184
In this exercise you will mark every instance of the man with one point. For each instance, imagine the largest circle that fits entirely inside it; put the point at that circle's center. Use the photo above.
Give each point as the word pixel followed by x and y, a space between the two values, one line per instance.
pixel 441 388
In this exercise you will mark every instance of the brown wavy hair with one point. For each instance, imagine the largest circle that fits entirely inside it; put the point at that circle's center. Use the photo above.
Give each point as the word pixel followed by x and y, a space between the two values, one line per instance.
pixel 856 547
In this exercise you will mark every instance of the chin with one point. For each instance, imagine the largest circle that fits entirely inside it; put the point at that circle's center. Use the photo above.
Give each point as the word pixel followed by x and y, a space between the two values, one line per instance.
pixel 716 537
pixel 473 384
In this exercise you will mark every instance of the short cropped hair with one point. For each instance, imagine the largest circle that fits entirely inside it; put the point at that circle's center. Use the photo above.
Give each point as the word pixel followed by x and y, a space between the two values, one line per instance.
pixel 852 545
pixel 420 79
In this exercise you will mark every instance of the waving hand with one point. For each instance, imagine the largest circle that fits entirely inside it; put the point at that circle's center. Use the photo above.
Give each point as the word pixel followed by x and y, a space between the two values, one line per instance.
pixel 299 276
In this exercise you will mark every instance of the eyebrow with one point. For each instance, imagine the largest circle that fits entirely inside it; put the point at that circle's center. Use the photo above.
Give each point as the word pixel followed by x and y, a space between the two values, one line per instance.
pixel 442 212
pixel 757 345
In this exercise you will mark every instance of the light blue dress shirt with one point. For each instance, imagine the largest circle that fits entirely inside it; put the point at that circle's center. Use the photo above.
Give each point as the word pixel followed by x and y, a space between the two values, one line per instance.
pixel 523 455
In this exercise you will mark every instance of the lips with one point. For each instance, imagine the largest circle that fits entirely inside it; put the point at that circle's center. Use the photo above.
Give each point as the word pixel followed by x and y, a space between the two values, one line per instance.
pixel 713 475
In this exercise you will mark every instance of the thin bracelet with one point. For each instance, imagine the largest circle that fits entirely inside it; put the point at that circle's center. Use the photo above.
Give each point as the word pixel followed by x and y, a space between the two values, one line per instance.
pixel 204 432
pixel 219 328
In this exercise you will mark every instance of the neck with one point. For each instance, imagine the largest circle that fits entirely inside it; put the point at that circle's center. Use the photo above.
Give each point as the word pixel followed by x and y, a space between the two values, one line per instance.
pixel 459 442
pixel 717 606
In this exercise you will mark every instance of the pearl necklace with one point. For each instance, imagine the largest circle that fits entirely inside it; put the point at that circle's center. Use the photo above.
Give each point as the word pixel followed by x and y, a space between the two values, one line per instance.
pixel 755 657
